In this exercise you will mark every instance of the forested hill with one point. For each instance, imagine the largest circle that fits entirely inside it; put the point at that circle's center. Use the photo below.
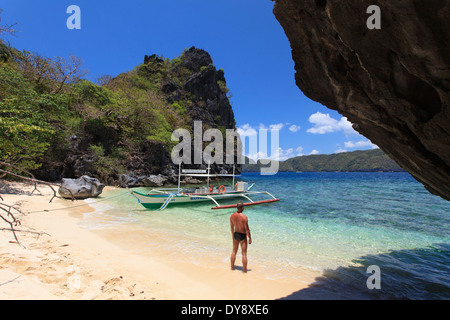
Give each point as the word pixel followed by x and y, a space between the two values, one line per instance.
pixel 369 160
pixel 57 124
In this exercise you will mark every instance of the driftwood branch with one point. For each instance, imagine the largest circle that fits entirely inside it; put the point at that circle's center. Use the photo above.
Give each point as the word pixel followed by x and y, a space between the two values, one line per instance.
pixel 27 231
pixel 7 212
pixel 10 218
pixel 14 222
pixel 33 180
pixel 17 168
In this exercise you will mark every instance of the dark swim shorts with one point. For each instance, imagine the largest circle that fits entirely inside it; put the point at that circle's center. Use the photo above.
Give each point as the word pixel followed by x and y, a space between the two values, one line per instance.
pixel 239 236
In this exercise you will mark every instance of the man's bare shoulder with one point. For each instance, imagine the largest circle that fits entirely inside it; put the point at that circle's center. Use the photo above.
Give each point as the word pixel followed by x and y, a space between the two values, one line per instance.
pixel 238 216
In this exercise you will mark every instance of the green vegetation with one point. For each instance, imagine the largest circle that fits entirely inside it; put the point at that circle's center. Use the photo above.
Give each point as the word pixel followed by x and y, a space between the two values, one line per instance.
pixel 45 101
pixel 369 160
pixel 31 106
pixel 104 164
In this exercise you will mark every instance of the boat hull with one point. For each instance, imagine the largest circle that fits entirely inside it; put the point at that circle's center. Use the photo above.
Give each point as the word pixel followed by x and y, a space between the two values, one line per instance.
pixel 155 201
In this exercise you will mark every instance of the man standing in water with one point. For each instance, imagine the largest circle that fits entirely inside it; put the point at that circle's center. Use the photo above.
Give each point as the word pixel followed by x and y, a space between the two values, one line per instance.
pixel 240 231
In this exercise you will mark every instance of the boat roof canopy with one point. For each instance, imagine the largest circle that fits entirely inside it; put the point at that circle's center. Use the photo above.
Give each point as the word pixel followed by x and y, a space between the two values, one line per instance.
pixel 193 171
pixel 210 175
pixel 203 173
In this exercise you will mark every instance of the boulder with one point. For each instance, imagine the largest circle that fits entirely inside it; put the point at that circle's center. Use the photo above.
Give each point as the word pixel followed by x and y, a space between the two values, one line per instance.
pixel 190 180
pixel 128 181
pixel 81 188
pixel 154 180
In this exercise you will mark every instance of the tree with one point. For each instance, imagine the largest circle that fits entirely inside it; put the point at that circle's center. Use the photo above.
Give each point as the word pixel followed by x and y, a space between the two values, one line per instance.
pixel 104 80
pixel 51 75
pixel 24 134
pixel 66 71
pixel 7 28
pixel 37 69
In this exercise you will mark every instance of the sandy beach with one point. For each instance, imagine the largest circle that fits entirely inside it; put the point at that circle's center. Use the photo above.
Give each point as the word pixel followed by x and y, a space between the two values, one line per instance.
pixel 66 261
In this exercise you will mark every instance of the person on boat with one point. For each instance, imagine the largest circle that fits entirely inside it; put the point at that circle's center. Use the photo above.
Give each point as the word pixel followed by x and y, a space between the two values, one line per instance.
pixel 240 232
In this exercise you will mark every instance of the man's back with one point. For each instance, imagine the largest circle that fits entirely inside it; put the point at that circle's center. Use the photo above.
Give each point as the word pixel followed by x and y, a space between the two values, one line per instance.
pixel 240 222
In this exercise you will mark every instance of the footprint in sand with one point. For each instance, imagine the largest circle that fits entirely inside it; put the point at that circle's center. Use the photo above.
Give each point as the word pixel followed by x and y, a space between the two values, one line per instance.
pixel 74 280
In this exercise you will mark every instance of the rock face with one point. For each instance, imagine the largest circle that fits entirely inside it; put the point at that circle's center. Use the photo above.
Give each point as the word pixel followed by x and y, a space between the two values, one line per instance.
pixel 192 83
pixel 129 181
pixel 208 86
pixel 81 188
pixel 392 83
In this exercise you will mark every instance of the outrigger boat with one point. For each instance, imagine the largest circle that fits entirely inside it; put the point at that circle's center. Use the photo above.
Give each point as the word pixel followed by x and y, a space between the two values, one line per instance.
pixel 162 197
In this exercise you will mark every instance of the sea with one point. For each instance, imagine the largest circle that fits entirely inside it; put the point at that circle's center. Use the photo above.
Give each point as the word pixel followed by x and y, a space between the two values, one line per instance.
pixel 371 235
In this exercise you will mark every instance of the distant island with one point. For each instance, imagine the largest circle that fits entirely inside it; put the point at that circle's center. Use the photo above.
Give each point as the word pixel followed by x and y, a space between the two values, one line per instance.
pixel 363 161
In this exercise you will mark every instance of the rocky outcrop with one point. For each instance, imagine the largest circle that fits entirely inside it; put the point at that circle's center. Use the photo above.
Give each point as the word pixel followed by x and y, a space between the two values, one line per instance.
pixel 208 87
pixel 81 188
pixel 130 181
pixel 191 82
pixel 392 83
pixel 194 59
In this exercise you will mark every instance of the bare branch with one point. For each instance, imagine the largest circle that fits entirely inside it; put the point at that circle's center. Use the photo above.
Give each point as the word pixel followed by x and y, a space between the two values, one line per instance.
pixel 17 168
pixel 28 231
pixel 36 67
pixel 9 217
pixel 67 71
pixel 13 223
pixel 36 181
pixel 7 28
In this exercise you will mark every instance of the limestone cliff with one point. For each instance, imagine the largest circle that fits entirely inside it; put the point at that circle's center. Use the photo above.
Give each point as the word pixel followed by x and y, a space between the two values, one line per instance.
pixel 392 83
pixel 124 135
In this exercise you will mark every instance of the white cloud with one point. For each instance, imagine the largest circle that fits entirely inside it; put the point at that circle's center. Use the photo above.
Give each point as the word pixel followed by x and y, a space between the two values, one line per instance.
pixel 246 130
pixel 255 157
pixel 282 154
pixel 324 123
pixel 314 152
pixel 359 144
pixel 347 127
pixel 294 128
pixel 340 150
pixel 279 155
pixel 277 126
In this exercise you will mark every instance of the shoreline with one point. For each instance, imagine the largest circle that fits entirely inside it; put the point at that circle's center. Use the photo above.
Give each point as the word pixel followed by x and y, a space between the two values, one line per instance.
pixel 74 263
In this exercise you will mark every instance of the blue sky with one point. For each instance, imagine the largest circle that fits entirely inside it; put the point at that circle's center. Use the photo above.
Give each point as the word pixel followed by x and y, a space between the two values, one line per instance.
pixel 243 38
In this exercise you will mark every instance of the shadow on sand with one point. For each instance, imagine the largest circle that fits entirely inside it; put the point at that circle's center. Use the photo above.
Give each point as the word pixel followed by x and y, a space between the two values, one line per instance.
pixel 240 268
pixel 418 274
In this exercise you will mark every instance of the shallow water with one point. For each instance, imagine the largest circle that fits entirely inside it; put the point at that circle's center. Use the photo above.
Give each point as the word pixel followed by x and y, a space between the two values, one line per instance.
pixel 336 223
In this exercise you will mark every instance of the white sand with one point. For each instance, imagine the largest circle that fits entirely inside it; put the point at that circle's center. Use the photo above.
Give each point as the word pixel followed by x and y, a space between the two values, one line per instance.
pixel 74 263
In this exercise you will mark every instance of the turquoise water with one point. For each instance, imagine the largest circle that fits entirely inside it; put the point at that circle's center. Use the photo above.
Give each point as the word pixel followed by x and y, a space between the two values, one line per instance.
pixel 336 223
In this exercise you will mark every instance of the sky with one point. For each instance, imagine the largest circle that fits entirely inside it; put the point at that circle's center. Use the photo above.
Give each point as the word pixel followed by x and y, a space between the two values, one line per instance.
pixel 243 37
